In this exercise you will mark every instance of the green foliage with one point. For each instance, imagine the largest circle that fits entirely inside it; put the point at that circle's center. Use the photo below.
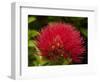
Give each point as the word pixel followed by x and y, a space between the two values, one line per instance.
pixel 32 33
pixel 84 31
pixel 31 19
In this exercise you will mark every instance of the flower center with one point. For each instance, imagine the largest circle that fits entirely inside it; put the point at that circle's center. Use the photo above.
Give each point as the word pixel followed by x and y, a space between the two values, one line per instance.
pixel 57 50
pixel 57 42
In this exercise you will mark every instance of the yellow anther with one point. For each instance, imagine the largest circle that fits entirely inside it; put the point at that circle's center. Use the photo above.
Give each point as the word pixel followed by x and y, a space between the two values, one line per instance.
pixel 58 44
pixel 53 46
pixel 61 54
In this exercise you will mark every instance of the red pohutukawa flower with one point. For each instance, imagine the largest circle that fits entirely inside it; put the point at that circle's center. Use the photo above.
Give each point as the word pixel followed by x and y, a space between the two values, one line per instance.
pixel 60 40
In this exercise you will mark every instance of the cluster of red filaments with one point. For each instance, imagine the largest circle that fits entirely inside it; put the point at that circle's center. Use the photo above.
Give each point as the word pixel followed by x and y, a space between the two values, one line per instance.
pixel 60 40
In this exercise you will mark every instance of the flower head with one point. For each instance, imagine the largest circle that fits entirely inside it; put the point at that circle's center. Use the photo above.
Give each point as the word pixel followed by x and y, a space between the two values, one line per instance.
pixel 61 40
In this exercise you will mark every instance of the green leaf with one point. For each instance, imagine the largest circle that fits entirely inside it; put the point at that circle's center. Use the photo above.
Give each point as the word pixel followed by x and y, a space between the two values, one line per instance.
pixel 32 33
pixel 83 31
pixel 31 19
pixel 67 61
pixel 31 43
